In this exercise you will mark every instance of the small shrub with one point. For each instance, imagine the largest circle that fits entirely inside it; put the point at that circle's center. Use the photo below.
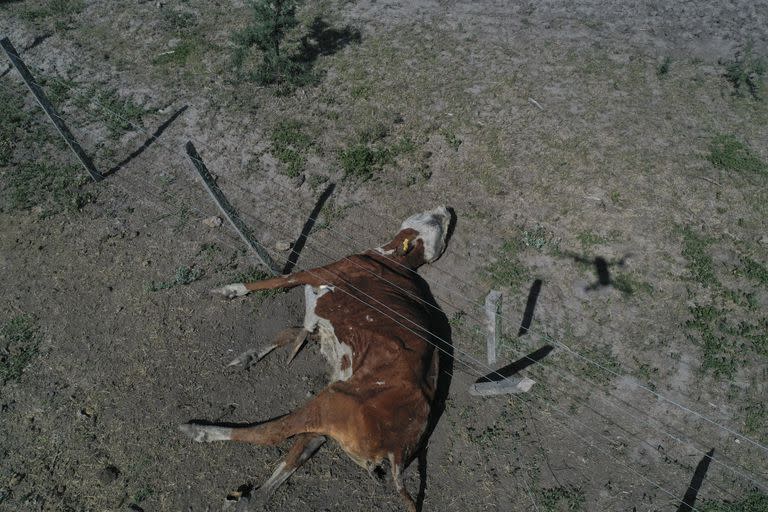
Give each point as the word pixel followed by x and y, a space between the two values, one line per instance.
pixel 272 20
pixel 729 153
pixel 561 499
pixel 184 275
pixel 745 73
pixel 288 145
pixel 663 69
pixel 361 161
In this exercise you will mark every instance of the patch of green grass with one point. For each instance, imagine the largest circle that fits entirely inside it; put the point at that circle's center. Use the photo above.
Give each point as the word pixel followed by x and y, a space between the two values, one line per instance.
pixel 756 420
pixel 57 8
pixel 507 270
pixel 729 153
pixel 180 54
pixel 590 239
pixel 331 213
pixel 561 499
pixel 178 22
pixel 451 138
pixel 54 188
pixel 289 143
pixel 719 348
pixel 696 252
pixel 361 161
pixel 316 180
pixel 751 269
pixel 628 285
pixel 745 73
pixel 119 114
pixel 19 343
pixel 12 119
pixel 603 356
pixel 184 275
pixel 753 502
pixel 539 238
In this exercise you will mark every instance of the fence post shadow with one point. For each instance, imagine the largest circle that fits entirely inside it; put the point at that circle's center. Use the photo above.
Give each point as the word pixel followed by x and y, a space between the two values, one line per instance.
pixel 298 246
pixel 689 499
pixel 530 307
pixel 517 366
pixel 151 140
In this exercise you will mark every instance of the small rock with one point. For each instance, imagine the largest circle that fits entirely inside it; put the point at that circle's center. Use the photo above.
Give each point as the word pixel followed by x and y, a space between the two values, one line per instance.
pixel 108 475
pixel 283 246
pixel 212 222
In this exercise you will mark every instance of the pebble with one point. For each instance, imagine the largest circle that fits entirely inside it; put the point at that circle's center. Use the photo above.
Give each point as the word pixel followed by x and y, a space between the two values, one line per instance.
pixel 212 222
pixel 282 246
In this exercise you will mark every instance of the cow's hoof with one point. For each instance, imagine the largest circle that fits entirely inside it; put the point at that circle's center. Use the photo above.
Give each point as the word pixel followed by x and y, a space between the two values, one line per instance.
pixel 206 433
pixel 231 291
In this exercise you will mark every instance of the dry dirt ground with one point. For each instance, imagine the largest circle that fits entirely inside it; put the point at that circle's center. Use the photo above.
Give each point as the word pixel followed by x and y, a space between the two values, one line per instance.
pixel 615 152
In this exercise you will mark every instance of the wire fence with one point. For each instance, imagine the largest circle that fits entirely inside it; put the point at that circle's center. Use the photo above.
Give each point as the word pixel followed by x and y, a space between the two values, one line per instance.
pixel 471 364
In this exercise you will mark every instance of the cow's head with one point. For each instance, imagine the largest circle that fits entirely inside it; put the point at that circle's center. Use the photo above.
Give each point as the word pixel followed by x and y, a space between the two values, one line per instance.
pixel 422 237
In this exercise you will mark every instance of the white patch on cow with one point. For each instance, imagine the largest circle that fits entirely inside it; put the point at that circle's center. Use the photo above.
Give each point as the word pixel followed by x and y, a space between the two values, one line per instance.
pixel 368 317
pixel 330 347
pixel 381 251
pixel 432 226
pixel 380 382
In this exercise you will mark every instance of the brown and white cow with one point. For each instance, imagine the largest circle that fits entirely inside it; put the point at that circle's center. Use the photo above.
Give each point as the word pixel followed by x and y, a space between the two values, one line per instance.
pixel 378 326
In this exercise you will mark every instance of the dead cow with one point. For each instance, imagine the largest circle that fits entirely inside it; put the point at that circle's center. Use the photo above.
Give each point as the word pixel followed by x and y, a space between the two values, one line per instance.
pixel 383 336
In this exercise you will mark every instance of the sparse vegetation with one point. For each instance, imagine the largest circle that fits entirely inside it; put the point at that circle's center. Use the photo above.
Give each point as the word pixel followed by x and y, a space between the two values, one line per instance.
pixel 745 73
pixel 507 270
pixel 696 252
pixel 184 275
pixel 361 162
pixel 19 342
pixel 729 153
pixel 51 187
pixel 663 69
pixel 754 502
pixel 289 144
pixel 590 239
pixel 603 356
pixel 561 499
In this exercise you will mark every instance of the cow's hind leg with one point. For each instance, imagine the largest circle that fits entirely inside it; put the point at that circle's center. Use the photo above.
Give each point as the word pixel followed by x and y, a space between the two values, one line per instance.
pixel 397 466
pixel 296 336
pixel 268 433
pixel 305 447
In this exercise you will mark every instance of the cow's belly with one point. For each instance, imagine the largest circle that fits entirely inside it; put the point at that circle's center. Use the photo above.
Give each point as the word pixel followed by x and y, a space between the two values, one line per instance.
pixel 338 354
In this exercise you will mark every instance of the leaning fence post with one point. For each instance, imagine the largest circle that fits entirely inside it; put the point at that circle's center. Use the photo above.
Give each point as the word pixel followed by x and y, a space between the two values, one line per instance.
pixel 493 323
pixel 42 99
pixel 229 212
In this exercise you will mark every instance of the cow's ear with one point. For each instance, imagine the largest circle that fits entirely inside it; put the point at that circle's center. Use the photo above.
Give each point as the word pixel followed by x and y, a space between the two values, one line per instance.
pixel 405 247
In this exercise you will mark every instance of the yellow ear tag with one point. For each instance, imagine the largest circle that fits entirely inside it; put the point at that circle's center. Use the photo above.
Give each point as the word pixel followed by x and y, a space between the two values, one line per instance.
pixel 405 246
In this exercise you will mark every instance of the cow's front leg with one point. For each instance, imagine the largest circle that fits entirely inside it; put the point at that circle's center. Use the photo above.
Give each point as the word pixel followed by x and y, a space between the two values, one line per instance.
pixel 315 277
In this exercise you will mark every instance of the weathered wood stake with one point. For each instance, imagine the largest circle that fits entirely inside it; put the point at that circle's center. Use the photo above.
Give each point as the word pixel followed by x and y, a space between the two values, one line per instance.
pixel 509 385
pixel 493 323
pixel 229 212
pixel 42 99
